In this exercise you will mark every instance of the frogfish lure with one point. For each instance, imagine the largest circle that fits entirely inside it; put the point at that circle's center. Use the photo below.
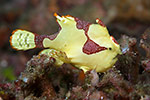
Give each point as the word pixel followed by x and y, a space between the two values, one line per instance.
pixel 87 46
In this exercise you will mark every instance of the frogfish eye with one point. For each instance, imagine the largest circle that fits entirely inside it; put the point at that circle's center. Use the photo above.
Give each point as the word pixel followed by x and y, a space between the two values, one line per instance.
pixel 110 48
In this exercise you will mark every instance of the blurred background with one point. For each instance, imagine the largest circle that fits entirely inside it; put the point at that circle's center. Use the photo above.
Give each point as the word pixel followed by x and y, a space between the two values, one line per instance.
pixel 122 17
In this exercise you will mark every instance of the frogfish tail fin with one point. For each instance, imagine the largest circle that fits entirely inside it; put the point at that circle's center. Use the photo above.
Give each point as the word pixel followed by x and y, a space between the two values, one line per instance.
pixel 22 39
pixel 25 40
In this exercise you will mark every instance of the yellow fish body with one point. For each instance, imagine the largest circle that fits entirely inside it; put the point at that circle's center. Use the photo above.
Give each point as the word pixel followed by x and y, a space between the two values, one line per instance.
pixel 87 46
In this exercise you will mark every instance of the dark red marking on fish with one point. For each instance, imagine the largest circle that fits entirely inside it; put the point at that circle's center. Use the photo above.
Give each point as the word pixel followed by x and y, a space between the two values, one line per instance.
pixel 100 22
pixel 82 25
pixel 53 36
pixel 114 40
pixel 90 47
pixel 39 39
